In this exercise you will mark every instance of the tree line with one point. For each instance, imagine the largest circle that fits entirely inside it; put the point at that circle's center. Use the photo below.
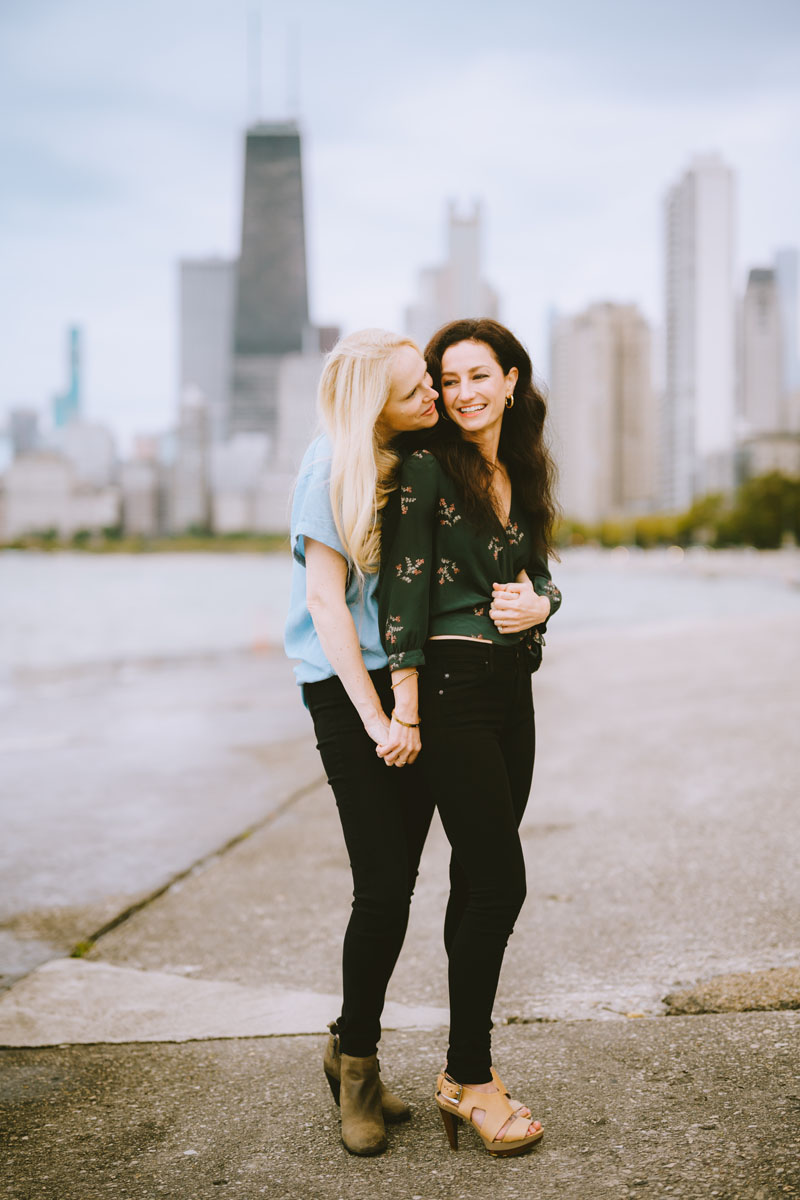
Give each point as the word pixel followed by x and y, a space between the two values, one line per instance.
pixel 763 512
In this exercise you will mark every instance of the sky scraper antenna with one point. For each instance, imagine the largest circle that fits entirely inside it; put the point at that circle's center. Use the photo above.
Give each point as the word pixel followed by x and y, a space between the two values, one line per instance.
pixel 254 62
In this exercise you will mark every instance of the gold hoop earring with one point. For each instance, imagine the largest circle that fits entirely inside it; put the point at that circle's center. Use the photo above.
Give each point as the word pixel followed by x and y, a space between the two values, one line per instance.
pixel 510 401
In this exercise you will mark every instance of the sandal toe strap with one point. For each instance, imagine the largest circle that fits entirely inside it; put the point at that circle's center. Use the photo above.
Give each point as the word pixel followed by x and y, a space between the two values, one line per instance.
pixel 498 1110
pixel 517 1130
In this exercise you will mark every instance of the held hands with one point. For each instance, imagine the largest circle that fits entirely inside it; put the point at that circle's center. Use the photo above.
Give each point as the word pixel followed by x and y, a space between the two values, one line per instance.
pixel 377 726
pixel 394 743
pixel 401 746
pixel 403 743
pixel 516 606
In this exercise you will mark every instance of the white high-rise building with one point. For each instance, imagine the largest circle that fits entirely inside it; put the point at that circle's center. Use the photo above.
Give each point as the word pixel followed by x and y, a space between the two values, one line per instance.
pixel 207 292
pixel 786 281
pixel 456 288
pixel 602 412
pixel 762 391
pixel 698 427
pixel 770 403
pixel 189 497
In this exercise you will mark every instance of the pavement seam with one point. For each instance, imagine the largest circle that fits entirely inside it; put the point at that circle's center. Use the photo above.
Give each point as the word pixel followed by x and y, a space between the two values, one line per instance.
pixel 82 947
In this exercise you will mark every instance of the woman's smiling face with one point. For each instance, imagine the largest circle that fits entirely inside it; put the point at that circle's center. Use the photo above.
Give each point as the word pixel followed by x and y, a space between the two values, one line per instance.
pixel 474 388
pixel 412 401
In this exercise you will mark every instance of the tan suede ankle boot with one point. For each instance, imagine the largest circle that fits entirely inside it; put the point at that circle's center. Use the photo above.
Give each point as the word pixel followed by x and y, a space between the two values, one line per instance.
pixel 394 1109
pixel 363 1130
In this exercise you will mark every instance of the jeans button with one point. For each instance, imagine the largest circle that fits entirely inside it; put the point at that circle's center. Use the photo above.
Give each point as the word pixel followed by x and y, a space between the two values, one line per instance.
pixel 446 675
pixel 441 693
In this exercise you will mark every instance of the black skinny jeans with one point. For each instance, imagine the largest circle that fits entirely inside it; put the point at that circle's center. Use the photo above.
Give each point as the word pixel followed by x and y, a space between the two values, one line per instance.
pixel 478 743
pixel 385 814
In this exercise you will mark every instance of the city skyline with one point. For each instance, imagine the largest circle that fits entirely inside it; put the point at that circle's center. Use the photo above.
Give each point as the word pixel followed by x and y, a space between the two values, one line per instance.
pixel 570 133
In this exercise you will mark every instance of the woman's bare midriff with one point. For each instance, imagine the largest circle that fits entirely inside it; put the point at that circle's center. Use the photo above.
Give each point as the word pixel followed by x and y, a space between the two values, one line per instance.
pixel 458 637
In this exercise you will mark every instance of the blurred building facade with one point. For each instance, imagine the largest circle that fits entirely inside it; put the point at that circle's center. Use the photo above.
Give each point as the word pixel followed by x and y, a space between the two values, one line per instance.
pixel 42 492
pixel 698 418
pixel 67 404
pixel 769 409
pixel 602 412
pixel 91 449
pixel 140 498
pixel 271 303
pixel 188 506
pixel 252 475
pixel 786 280
pixel 23 430
pixel 207 289
pixel 457 287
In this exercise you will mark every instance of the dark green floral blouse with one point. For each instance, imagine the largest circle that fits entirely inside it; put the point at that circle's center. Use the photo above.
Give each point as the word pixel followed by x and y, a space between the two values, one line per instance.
pixel 437 569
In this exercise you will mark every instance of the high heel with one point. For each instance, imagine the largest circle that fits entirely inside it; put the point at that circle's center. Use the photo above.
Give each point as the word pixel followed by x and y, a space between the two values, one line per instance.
pixel 450 1122
pixel 394 1109
pixel 334 1084
pixel 457 1102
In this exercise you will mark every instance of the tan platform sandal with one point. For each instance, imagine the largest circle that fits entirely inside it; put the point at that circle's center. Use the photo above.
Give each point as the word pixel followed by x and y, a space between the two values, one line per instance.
pixel 457 1102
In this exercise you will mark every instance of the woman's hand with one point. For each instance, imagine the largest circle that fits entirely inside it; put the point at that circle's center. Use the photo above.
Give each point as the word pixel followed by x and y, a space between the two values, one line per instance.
pixel 517 607
pixel 402 746
pixel 377 726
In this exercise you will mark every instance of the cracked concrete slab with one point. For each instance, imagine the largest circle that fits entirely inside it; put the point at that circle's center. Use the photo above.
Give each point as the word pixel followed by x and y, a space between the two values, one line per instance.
pixel 71 1001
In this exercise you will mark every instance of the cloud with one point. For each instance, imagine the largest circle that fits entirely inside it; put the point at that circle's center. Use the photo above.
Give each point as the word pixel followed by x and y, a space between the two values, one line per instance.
pixel 568 122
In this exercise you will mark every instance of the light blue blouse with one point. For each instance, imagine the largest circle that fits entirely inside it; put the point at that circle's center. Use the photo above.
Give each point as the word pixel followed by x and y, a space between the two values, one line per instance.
pixel 312 517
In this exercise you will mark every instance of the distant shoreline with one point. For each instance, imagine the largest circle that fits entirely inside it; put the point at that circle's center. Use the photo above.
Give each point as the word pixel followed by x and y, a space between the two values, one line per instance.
pixel 266 543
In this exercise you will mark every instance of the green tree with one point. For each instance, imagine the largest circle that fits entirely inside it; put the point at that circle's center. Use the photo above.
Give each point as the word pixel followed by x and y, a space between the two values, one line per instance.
pixel 766 510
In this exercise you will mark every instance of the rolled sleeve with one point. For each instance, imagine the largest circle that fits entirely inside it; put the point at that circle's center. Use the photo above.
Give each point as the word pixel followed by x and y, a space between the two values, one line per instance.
pixel 543 586
pixel 312 515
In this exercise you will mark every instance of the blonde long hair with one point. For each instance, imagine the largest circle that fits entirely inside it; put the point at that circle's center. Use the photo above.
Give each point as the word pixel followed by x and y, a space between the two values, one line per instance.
pixel 354 387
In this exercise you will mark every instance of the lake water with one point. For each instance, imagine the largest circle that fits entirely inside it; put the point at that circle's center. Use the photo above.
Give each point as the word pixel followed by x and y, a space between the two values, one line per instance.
pixel 62 611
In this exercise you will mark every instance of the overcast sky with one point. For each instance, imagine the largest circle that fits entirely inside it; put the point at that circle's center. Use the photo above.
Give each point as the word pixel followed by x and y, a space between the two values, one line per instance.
pixel 121 139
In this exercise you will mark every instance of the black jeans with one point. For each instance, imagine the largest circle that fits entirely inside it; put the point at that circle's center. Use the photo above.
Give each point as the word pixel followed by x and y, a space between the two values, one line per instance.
pixel 385 814
pixel 478 741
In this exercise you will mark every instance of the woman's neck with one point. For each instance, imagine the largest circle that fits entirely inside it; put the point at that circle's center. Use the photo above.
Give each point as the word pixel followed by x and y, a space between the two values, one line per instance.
pixel 488 443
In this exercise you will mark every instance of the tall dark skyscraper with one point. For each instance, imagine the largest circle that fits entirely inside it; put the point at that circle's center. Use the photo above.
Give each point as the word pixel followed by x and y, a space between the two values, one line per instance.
pixel 271 311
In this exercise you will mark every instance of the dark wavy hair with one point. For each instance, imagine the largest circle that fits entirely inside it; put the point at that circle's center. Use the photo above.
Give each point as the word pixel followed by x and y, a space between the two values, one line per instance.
pixel 522 447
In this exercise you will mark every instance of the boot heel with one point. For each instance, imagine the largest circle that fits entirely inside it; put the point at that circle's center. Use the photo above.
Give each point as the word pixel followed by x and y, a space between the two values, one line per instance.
pixel 450 1122
pixel 335 1085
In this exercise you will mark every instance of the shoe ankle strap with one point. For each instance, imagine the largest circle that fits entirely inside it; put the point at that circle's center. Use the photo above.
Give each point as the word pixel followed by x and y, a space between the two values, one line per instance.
pixel 451 1090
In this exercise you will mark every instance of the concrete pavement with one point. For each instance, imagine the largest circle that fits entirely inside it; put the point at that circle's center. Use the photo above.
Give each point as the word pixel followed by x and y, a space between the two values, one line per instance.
pixel 661 842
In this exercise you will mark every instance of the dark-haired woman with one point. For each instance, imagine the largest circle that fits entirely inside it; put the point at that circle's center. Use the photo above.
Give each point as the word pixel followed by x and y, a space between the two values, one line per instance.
pixel 465 595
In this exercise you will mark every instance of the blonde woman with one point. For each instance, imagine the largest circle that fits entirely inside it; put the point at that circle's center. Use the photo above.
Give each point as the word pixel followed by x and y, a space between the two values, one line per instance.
pixel 374 387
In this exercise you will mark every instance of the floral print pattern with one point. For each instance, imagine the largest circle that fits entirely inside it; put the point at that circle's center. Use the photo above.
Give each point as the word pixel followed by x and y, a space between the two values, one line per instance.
pixel 447 513
pixel 549 589
pixel 392 627
pixel 447 571
pixel 450 566
pixel 412 567
pixel 407 498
